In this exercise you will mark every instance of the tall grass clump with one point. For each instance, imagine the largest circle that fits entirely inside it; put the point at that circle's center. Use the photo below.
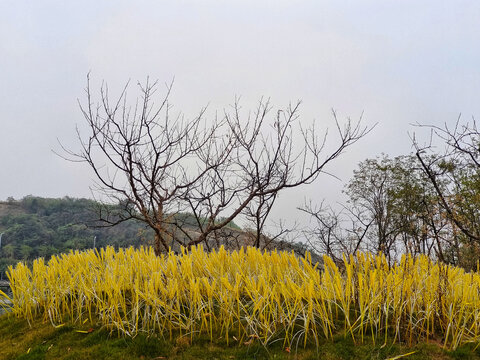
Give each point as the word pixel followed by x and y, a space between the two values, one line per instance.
pixel 249 295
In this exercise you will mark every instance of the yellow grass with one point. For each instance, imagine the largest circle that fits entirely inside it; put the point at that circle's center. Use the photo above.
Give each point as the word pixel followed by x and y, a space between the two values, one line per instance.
pixel 249 295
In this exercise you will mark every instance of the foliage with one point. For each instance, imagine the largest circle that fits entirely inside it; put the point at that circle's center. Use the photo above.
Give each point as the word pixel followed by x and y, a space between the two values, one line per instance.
pixel 395 197
pixel 454 174
pixel 247 296
pixel 40 227
pixel 394 208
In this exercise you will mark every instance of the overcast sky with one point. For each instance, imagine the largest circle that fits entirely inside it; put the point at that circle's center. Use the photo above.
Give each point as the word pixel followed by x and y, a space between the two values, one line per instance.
pixel 398 62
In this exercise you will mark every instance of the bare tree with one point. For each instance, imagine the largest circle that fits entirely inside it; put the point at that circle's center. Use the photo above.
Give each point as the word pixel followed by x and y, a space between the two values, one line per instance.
pixel 454 173
pixel 140 155
pixel 264 162
pixel 336 232
pixel 156 166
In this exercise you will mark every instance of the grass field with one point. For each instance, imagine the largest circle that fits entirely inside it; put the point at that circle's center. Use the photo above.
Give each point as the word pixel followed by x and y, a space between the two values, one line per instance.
pixel 241 304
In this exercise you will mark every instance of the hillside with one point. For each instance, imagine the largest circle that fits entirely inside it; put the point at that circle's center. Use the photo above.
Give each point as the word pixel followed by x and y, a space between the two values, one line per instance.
pixel 40 227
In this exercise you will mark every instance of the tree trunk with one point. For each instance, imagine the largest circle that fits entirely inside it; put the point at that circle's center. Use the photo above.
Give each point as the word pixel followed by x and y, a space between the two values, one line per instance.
pixel 159 245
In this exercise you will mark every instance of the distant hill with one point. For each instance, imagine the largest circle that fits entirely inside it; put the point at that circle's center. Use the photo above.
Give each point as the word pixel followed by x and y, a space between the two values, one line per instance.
pixel 40 227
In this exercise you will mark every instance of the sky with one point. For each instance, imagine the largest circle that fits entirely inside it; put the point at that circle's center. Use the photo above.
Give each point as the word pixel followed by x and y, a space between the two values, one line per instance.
pixel 397 62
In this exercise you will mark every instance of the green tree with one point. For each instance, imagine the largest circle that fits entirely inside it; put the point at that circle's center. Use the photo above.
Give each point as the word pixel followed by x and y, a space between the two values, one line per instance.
pixel 9 251
pixel 25 252
pixel 396 197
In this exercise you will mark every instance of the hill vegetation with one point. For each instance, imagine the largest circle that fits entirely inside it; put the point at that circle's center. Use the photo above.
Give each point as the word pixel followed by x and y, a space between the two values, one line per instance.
pixel 39 227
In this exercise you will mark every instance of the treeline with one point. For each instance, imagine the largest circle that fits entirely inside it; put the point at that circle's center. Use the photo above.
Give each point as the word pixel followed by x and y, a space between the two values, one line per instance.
pixel 39 227
pixel 427 202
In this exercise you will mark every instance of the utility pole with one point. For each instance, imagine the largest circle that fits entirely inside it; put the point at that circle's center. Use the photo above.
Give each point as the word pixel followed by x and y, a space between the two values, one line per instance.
pixel 1 273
